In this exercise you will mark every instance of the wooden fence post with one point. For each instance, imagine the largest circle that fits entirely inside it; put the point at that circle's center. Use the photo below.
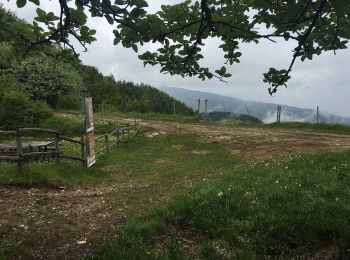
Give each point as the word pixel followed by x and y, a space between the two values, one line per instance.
pixel 318 115
pixel 19 151
pixel 106 141
pixel 279 115
pixel 57 148
pixel 82 140
pixel 199 107
pixel 206 107
pixel 278 111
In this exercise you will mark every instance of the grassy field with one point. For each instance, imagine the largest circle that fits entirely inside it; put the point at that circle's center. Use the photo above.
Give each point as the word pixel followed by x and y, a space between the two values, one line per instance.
pixel 189 199
pixel 292 207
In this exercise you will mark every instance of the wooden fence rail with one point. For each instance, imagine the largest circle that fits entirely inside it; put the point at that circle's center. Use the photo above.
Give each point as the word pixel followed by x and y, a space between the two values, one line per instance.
pixel 21 151
pixel 121 134
pixel 25 151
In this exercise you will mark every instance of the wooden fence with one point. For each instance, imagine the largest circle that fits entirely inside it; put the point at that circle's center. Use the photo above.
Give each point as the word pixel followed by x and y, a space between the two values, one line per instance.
pixel 21 152
pixel 114 137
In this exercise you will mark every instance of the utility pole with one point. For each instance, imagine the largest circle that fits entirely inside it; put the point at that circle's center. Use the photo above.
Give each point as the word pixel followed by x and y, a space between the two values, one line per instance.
pixel 206 107
pixel 199 107
pixel 279 112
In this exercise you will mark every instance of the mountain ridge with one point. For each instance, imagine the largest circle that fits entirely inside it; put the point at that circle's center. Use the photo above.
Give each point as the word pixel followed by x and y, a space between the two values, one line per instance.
pixel 266 112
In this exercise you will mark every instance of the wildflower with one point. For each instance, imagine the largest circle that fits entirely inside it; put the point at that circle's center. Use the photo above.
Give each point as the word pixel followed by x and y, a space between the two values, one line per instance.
pixel 277 181
pixel 286 167
pixel 220 194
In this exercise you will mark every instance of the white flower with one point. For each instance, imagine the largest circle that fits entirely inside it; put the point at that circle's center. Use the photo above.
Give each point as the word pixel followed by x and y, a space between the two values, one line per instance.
pixel 277 181
pixel 220 194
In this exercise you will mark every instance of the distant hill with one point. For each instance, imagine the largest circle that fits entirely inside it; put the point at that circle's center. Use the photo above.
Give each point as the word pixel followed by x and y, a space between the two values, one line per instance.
pixel 266 112
pixel 230 116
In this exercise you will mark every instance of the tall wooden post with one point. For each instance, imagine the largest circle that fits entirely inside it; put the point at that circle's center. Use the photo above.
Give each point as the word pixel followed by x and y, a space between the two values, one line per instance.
pixel 82 140
pixel 279 114
pixel 89 132
pixel 318 115
pixel 57 148
pixel 19 151
pixel 174 109
pixel 206 107
pixel 199 107
pixel 106 141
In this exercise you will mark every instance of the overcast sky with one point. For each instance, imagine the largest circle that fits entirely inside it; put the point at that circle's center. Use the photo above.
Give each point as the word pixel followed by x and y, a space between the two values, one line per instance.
pixel 324 81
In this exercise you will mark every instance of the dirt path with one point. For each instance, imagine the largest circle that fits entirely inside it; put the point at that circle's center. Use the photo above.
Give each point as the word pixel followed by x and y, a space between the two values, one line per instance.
pixel 43 223
pixel 252 142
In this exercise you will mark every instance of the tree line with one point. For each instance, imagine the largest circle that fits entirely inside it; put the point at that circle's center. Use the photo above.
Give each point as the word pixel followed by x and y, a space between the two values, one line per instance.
pixel 33 85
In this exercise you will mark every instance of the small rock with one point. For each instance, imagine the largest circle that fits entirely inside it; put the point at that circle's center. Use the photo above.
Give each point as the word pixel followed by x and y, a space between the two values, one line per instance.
pixel 24 227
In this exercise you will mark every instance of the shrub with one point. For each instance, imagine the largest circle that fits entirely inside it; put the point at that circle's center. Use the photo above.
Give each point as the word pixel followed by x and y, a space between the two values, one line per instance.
pixel 17 110
pixel 69 102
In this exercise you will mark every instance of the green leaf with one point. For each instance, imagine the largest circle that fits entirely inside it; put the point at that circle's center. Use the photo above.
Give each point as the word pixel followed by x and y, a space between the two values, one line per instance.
pixel 116 41
pixel 21 3
pixel 109 19
pixel 134 47
pixel 286 36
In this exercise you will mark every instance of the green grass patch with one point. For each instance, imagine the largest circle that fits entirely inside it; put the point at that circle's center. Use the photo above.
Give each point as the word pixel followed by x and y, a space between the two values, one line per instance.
pixel 329 128
pixel 301 126
pixel 295 206
pixel 164 158
pixel 50 174
pixel 7 251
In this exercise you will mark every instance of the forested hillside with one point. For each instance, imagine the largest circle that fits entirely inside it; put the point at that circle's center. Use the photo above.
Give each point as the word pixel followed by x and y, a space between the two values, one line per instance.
pixel 35 80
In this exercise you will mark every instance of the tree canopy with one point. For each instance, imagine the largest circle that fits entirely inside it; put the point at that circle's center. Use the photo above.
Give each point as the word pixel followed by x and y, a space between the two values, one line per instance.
pixel 41 83
pixel 316 26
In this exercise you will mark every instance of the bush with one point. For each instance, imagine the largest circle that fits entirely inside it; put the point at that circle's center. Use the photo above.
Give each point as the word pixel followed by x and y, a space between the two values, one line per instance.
pixel 65 124
pixel 17 110
pixel 69 102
